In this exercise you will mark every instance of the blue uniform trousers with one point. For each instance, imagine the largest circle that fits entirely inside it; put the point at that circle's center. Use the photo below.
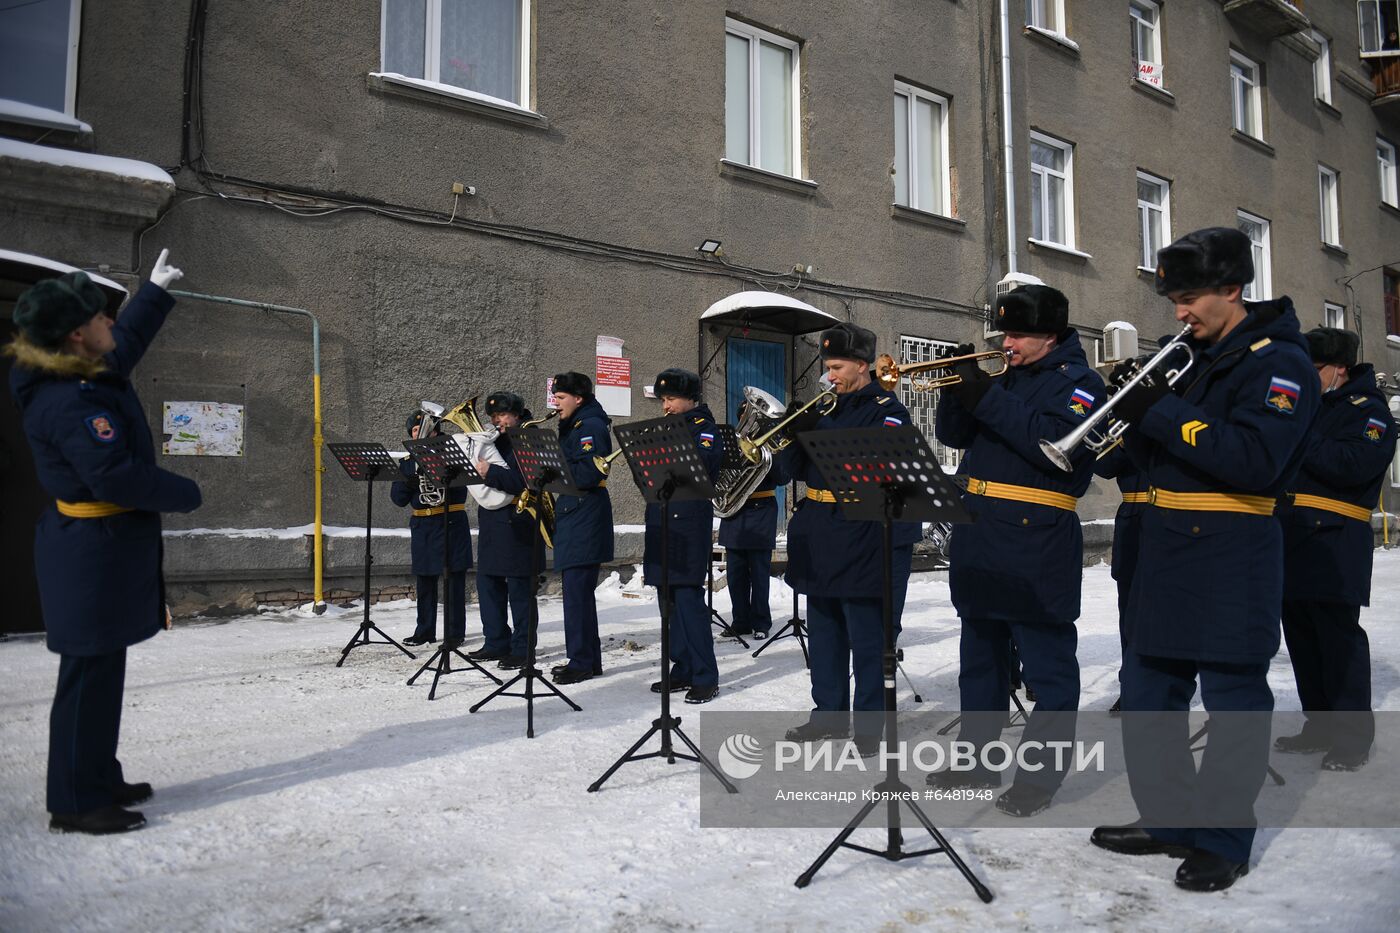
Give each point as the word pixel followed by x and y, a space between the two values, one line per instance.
pixel 749 570
pixel 1048 666
pixel 1332 665
pixel 494 593
pixel 454 624
pixel 692 646
pixel 1162 772
pixel 83 730
pixel 581 641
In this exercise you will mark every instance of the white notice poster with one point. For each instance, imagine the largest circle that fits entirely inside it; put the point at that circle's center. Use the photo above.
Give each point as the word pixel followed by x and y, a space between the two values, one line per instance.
pixel 203 429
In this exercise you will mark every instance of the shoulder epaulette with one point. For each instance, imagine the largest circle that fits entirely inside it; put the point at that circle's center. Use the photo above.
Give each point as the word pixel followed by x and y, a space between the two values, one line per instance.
pixel 1258 345
pixel 883 399
pixel 1357 400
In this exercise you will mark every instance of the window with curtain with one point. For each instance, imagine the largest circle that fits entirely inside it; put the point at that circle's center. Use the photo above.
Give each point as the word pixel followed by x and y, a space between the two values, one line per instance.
pixel 1328 212
pixel 1246 109
pixel 921 171
pixel 39 53
pixel 480 46
pixel 761 112
pixel 1052 190
pixel 1385 165
pixel 1257 229
pixel 1144 16
pixel 1154 218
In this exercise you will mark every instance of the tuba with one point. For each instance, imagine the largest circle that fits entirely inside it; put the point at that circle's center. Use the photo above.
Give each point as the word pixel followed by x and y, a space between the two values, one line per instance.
pixel 736 483
pixel 478 442
pixel 525 502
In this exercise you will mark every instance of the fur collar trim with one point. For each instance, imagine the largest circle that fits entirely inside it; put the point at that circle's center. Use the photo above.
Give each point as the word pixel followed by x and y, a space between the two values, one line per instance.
pixel 53 362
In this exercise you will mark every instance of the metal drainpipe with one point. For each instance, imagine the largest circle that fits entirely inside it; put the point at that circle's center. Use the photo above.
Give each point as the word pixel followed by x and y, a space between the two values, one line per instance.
pixel 317 438
pixel 1008 150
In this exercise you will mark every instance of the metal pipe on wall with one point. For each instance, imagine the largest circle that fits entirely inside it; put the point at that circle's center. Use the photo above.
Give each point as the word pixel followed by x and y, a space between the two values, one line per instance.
pixel 1008 149
pixel 318 439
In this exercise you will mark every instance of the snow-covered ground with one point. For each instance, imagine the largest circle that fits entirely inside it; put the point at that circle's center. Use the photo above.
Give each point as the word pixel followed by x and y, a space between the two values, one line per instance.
pixel 292 795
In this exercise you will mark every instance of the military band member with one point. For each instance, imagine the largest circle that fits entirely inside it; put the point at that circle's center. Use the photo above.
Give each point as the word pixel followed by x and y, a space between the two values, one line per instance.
pixel 748 538
pixel 1015 571
pixel 428 501
pixel 693 667
pixel 838 563
pixel 1127 527
pixel 1327 545
pixel 97 550
pixel 505 554
pixel 583 533
pixel 1207 594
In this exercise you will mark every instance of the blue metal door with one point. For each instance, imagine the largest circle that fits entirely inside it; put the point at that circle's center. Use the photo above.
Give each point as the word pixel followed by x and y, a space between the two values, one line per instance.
pixel 759 363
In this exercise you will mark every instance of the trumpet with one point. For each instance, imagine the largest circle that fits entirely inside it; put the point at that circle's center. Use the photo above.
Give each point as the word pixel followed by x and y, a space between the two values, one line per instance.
pixel 752 449
pixel 888 372
pixel 1089 434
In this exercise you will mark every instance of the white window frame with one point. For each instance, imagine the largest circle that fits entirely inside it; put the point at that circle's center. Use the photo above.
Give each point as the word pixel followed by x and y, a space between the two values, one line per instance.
pixel 1371 42
pixel 432 56
pixel 755 35
pixel 1154 26
pixel 1261 289
pixel 1067 176
pixel 1329 182
pixel 923 405
pixel 1245 71
pixel 1040 13
pixel 1386 172
pixel 31 113
pixel 1145 211
pixel 1333 314
pixel 1322 68
pixel 943 203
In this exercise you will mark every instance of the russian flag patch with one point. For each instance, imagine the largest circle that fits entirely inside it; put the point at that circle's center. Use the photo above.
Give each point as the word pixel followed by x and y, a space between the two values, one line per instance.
pixel 1375 430
pixel 1282 395
pixel 707 440
pixel 1080 402
pixel 892 422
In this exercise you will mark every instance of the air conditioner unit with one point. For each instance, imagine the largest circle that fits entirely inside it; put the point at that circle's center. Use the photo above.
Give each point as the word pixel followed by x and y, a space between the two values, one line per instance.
pixel 1009 282
pixel 1120 342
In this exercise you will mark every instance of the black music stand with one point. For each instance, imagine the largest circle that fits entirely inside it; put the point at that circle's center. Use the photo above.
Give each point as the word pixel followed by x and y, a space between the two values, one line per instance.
pixel 887 475
pixel 443 459
pixel 367 463
pixel 666 466
pixel 733 460
pixel 545 469
pixel 1201 734
pixel 794 627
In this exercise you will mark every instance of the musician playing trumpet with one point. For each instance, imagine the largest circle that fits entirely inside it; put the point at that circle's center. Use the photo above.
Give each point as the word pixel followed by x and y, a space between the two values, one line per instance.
pixel 505 552
pixel 838 563
pixel 1015 571
pixel 428 502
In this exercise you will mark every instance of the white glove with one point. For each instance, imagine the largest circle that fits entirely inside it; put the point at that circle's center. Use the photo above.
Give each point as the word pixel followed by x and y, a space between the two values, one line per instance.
pixel 163 274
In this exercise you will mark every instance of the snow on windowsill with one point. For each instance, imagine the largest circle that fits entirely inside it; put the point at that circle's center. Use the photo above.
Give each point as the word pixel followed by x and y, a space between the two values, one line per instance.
pixel 1058 247
pixel 462 94
pixel 19 112
pixel 1057 37
pixel 106 165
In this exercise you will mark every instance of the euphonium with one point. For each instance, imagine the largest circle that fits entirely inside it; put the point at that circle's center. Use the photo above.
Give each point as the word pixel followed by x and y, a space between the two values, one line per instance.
pixel 735 484
pixel 478 441
pixel 776 438
pixel 525 502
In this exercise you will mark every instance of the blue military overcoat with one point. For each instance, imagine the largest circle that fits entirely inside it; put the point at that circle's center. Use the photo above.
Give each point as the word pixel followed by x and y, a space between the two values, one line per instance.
pixel 100 582
pixel 828 554
pixel 1021 561
pixel 1209 584
pixel 506 537
pixel 691 527
pixel 1127 521
pixel 1327 556
pixel 427 530
pixel 583 531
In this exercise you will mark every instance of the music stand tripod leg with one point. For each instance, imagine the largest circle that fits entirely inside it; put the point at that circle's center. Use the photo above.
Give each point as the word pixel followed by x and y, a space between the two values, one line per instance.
pixel 361 636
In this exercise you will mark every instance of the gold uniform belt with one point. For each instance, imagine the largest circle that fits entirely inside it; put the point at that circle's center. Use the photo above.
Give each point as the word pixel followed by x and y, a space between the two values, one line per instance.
pixel 438 510
pixel 1210 502
pixel 90 509
pixel 1135 497
pixel 1360 513
pixel 982 487
pixel 768 494
pixel 820 495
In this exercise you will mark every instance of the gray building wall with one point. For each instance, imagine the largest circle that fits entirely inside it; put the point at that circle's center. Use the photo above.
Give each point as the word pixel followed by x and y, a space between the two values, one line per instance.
pixel 585 223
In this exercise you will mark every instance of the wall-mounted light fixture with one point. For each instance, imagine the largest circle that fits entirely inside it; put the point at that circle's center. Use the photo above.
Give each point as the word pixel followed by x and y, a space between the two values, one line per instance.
pixel 710 249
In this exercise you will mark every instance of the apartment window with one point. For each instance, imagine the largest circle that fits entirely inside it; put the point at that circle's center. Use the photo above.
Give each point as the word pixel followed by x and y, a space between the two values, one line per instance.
pixel 1333 315
pixel 1145 17
pixel 1245 103
pixel 1257 229
pixel 1322 68
pixel 761 117
pixel 1327 184
pixel 1052 190
pixel 39 54
pixel 1048 15
pixel 921 173
pixel 1377 22
pixel 1390 301
pixel 479 46
pixel 1385 163
pixel 922 405
pixel 1154 218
